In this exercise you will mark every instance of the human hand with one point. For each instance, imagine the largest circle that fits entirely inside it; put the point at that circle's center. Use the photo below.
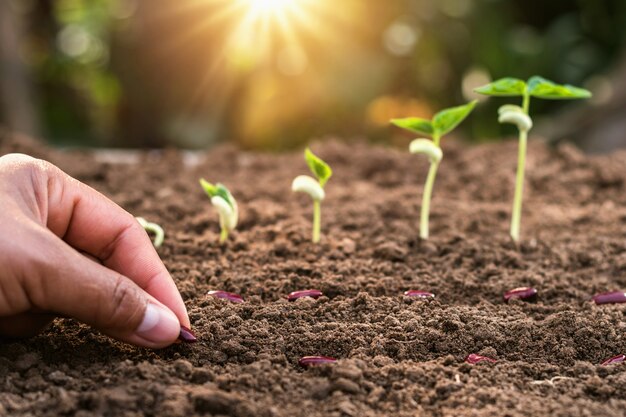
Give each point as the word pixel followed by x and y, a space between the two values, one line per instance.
pixel 67 250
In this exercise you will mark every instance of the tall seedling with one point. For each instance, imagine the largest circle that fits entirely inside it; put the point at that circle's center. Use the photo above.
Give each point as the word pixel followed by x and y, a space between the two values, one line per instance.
pixel 442 123
pixel 535 87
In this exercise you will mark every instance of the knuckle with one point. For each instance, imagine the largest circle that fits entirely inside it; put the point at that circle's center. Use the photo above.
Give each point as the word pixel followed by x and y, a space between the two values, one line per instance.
pixel 18 163
pixel 126 303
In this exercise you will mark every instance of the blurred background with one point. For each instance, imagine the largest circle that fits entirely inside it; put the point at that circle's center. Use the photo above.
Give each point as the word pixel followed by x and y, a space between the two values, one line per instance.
pixel 272 74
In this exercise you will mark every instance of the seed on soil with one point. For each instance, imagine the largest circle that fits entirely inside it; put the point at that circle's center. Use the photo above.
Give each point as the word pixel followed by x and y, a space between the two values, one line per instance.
pixel 474 358
pixel 523 293
pixel 293 296
pixel 610 297
pixel 235 298
pixel 614 360
pixel 307 361
pixel 419 294
pixel 186 335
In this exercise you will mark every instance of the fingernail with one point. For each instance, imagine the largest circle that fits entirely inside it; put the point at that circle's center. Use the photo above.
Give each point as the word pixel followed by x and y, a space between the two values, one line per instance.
pixel 186 335
pixel 159 325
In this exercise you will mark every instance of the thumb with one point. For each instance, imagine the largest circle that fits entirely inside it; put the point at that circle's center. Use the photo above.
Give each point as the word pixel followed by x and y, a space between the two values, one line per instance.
pixel 102 298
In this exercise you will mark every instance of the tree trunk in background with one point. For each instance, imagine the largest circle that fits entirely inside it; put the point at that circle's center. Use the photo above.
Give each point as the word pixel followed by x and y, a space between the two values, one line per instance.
pixel 16 105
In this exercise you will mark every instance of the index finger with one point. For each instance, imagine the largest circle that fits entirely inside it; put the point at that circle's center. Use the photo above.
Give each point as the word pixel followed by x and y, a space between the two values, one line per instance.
pixel 90 222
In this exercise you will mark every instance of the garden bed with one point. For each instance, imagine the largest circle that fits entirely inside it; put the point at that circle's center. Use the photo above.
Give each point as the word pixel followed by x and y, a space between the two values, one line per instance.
pixel 398 356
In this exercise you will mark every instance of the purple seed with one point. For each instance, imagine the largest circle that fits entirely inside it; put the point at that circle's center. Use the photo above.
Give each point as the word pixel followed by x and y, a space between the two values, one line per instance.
pixel 293 296
pixel 186 335
pixel 473 358
pixel 614 360
pixel 610 297
pixel 523 293
pixel 419 294
pixel 307 361
pixel 235 298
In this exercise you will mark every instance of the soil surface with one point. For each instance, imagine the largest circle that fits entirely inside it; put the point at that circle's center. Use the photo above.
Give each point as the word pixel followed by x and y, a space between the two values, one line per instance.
pixel 398 356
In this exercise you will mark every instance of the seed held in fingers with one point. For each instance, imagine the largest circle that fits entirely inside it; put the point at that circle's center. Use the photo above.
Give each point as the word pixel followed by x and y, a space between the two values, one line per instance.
pixel 186 335
pixel 614 360
pixel 523 293
pixel 610 297
pixel 232 297
pixel 307 361
pixel 419 294
pixel 473 358
pixel 293 296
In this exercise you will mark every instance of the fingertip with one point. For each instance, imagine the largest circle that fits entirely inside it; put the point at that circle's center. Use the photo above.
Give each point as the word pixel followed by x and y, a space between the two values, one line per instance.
pixel 159 327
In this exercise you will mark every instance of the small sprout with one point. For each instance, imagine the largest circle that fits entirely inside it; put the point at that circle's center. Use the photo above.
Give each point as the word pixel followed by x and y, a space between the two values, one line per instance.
pixel 225 204
pixel 535 87
pixel 419 294
pixel 523 293
pixel 186 335
pixel 293 296
pixel 234 298
pixel 610 297
pixel 314 187
pixel 613 360
pixel 473 359
pixel 442 123
pixel 307 361
pixel 159 234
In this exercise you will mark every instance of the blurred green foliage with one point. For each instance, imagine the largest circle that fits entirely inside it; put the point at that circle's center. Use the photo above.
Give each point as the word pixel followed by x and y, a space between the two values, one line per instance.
pixel 134 72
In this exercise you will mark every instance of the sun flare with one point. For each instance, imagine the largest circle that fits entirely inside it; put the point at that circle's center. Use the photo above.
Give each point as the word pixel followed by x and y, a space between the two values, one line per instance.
pixel 270 7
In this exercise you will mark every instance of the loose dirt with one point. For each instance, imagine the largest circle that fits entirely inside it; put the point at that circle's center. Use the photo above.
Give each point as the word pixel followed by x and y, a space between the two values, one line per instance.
pixel 398 356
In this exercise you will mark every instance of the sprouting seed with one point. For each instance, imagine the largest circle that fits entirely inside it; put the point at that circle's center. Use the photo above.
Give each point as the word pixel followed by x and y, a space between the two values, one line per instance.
pixel 225 204
pixel 441 124
pixel 419 294
pixel 232 297
pixel 523 293
pixel 474 358
pixel 307 361
pixel 293 296
pixel 610 297
pixel 537 87
pixel 149 227
pixel 314 187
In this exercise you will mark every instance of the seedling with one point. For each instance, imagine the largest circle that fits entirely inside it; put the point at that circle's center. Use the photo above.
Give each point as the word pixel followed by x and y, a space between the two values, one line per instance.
pixel 225 204
pixel 154 228
pixel 441 124
pixel 535 87
pixel 314 187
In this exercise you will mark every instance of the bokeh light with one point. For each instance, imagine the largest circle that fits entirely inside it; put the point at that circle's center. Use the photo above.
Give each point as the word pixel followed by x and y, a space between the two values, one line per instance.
pixel 277 73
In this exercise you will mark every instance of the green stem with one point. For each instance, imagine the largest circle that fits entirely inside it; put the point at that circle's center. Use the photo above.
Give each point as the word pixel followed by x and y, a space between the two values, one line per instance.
pixel 516 216
pixel 428 190
pixel 223 235
pixel 526 103
pixel 317 217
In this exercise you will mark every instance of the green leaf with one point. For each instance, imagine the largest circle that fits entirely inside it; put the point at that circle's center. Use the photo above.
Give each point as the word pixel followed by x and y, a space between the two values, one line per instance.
pixel 208 188
pixel 446 120
pixel 541 88
pixel 319 168
pixel 415 125
pixel 217 190
pixel 223 192
pixel 505 87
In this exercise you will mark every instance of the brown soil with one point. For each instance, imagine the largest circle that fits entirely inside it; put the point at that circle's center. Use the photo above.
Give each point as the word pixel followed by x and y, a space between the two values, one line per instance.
pixel 397 356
